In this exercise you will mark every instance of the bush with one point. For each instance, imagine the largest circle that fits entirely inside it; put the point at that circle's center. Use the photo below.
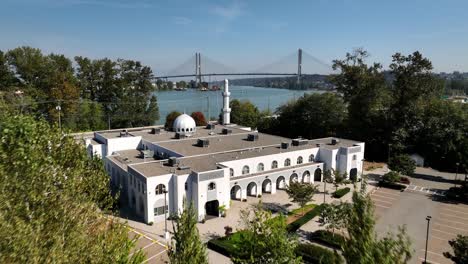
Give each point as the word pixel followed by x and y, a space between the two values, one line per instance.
pixel 292 227
pixel 327 238
pixel 226 245
pixel 391 185
pixel 199 118
pixel 404 180
pixel 402 163
pixel 341 192
pixel 316 254
pixel 391 177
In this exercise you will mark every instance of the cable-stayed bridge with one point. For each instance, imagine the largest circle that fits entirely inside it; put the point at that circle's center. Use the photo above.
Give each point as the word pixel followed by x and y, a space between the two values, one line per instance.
pixel 297 64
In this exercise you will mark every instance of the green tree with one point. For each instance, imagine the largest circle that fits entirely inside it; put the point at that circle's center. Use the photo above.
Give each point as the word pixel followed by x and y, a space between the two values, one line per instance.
pixel 333 216
pixel 338 179
pixel 402 163
pixel 366 92
pixel 301 193
pixel 244 113
pixel 460 250
pixel 170 119
pixel 186 246
pixel 63 195
pixel 362 245
pixel 391 177
pixel 312 116
pixel 264 239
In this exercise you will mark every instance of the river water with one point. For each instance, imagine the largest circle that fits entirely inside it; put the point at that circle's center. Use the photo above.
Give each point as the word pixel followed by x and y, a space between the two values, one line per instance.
pixel 211 102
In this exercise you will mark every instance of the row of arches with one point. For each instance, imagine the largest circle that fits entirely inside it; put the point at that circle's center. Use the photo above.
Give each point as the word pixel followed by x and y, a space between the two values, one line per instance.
pixel 253 189
pixel 274 164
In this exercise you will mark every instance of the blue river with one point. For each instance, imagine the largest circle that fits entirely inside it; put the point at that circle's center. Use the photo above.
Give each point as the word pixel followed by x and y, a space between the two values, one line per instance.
pixel 211 102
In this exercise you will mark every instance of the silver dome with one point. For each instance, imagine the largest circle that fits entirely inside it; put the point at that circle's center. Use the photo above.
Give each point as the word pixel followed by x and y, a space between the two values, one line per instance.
pixel 184 125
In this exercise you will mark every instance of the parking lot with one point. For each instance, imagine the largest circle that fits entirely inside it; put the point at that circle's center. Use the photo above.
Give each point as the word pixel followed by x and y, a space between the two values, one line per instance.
pixel 410 208
pixel 154 251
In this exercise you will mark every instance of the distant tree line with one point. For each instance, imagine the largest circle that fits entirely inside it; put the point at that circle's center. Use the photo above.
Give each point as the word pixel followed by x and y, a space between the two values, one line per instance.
pixel 315 81
pixel 86 94
pixel 400 115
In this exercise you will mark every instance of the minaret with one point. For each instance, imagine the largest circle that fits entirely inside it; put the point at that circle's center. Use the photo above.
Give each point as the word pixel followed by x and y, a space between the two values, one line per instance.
pixel 226 109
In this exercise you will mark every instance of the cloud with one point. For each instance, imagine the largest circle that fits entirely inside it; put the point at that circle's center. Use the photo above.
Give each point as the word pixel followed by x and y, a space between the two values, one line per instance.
pixel 229 12
pixel 182 20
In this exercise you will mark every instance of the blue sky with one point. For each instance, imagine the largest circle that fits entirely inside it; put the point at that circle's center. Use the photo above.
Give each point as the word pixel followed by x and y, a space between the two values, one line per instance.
pixel 241 34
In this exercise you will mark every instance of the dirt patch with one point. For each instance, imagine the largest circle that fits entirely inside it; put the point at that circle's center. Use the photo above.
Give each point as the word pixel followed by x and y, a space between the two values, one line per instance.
pixel 370 165
pixel 293 217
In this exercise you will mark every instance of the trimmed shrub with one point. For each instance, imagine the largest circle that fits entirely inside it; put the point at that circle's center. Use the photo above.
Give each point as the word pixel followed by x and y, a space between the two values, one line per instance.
pixel 327 238
pixel 292 227
pixel 341 192
pixel 390 185
pixel 404 180
pixel 315 254
pixel 392 177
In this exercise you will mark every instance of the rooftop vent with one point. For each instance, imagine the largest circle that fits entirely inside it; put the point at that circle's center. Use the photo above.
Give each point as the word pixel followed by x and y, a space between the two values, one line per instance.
pixel 318 144
pixel 124 133
pixel 173 161
pixel 204 143
pixel 252 137
pixel 210 126
pixel 335 141
pixel 299 142
pixel 183 167
pixel 180 136
pixel 284 145
pixel 156 131
pixel 227 131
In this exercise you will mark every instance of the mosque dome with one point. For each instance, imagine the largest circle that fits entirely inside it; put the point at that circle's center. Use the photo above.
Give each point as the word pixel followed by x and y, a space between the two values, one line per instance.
pixel 184 125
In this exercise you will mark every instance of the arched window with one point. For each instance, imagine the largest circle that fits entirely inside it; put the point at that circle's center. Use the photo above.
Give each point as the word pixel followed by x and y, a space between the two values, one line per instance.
pixel 311 158
pixel 231 172
pixel 211 186
pixel 260 167
pixel 287 162
pixel 245 170
pixel 274 165
pixel 354 157
pixel 160 189
pixel 299 160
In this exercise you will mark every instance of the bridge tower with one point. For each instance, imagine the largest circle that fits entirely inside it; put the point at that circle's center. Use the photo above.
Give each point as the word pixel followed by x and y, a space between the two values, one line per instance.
pixel 299 66
pixel 198 68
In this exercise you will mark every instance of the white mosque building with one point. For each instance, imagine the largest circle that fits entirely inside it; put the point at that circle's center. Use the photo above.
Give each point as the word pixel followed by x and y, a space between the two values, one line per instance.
pixel 212 165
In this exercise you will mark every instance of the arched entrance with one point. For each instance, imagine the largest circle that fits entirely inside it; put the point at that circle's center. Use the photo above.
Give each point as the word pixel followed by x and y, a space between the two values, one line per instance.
pixel 236 192
pixel 353 174
pixel 280 183
pixel 212 208
pixel 252 189
pixel 318 175
pixel 293 178
pixel 266 186
pixel 306 177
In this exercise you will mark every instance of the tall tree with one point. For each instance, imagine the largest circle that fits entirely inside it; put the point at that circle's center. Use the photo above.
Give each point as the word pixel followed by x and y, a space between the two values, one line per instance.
pixel 264 239
pixel 312 116
pixel 244 113
pixel 186 246
pixel 301 193
pixel 63 195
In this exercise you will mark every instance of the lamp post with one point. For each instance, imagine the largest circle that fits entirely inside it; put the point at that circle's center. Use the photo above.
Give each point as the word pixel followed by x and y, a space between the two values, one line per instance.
pixel 456 174
pixel 166 234
pixel 59 109
pixel 362 172
pixel 428 218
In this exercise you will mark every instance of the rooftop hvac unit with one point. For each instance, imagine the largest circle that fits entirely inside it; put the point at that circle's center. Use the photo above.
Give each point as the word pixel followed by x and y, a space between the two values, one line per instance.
pixel 335 141
pixel 173 161
pixel 252 137
pixel 204 143
pixel 284 145
pixel 227 131
pixel 183 167
pixel 318 145
pixel 299 142
pixel 180 136
pixel 210 126
pixel 124 133
pixel 155 131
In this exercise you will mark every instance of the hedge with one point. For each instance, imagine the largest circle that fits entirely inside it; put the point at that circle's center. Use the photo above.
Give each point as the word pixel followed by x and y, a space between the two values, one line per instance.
pixel 341 192
pixel 327 238
pixel 390 185
pixel 311 253
pixel 292 227
pixel 225 245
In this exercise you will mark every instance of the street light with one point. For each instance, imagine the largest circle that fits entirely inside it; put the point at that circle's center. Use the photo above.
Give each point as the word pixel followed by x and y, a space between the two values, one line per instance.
pixel 59 109
pixel 428 218
pixel 456 174
pixel 362 172
pixel 166 234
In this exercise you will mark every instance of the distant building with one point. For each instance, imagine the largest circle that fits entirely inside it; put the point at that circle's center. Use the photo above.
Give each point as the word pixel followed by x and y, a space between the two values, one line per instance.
pixel 212 165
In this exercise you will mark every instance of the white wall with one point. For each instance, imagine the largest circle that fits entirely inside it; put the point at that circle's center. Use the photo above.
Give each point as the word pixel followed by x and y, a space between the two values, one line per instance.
pixel 122 143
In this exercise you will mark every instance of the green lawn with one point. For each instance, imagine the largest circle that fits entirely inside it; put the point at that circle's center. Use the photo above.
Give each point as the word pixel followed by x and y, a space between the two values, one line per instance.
pixel 306 208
